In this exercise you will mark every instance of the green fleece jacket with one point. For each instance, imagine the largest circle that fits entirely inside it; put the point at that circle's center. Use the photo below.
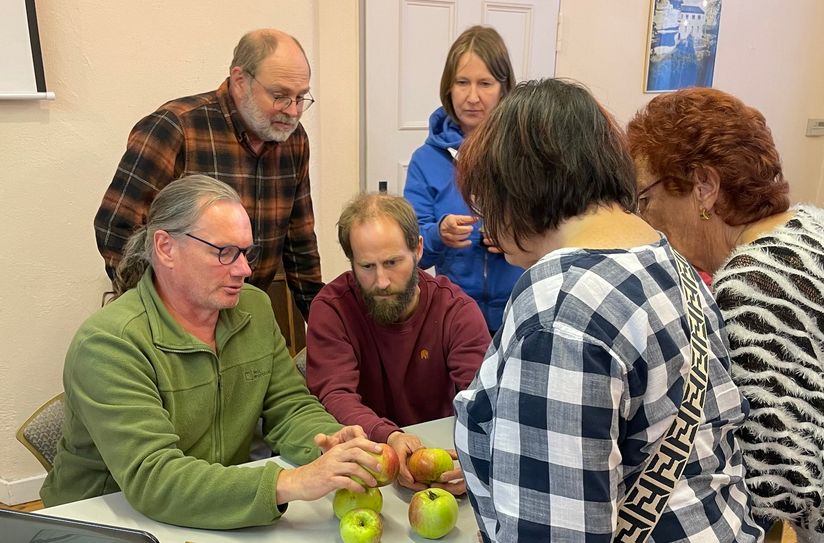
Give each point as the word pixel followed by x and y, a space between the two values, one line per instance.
pixel 152 411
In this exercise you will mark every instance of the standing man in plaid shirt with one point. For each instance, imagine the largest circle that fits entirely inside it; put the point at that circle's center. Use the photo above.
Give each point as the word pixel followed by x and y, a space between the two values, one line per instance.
pixel 247 134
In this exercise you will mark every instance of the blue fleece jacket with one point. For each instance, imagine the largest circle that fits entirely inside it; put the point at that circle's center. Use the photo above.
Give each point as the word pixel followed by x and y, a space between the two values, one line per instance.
pixel 430 187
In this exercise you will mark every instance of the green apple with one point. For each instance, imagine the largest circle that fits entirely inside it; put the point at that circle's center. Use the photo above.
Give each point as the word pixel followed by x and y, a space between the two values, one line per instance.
pixel 345 500
pixel 361 526
pixel 433 513
pixel 427 465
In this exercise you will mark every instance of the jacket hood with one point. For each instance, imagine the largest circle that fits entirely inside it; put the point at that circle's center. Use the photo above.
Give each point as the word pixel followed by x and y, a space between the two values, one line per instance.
pixel 443 132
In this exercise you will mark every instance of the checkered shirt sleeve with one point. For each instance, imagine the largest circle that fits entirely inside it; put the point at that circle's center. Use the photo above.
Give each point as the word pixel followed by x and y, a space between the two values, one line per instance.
pixel 582 381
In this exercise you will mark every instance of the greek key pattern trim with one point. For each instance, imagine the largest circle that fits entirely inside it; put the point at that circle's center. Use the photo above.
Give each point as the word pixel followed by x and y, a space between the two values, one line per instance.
pixel 646 500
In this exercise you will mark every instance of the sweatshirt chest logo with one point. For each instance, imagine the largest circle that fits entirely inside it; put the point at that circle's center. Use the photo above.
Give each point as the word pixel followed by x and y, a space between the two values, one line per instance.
pixel 424 354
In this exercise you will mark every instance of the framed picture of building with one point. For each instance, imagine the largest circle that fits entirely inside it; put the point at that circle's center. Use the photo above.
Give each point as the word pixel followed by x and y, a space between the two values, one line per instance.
pixel 683 35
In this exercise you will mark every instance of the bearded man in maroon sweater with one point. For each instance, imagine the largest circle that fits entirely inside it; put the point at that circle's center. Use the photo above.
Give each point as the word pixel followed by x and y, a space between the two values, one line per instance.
pixel 389 345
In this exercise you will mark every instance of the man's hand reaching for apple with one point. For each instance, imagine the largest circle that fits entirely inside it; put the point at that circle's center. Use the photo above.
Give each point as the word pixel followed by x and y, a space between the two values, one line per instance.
pixel 452 481
pixel 333 470
pixel 343 435
pixel 404 445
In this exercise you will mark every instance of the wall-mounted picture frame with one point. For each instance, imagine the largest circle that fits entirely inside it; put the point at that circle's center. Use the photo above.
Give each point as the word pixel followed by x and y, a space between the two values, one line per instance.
pixel 683 36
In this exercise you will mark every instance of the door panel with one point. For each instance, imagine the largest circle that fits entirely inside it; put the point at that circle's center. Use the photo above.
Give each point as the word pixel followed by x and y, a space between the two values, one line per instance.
pixel 406 42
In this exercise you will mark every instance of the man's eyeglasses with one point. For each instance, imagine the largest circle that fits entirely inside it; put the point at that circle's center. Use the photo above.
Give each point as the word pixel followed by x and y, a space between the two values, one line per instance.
pixel 643 199
pixel 229 253
pixel 280 102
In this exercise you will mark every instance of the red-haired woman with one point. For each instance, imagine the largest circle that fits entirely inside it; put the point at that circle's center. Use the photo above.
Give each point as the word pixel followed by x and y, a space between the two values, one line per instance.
pixel 710 178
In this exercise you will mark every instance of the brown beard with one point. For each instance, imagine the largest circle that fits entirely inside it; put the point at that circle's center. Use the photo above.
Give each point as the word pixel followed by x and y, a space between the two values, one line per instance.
pixel 390 311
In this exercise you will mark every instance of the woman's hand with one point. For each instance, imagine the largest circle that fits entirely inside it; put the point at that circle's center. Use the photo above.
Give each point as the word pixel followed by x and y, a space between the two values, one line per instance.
pixel 455 230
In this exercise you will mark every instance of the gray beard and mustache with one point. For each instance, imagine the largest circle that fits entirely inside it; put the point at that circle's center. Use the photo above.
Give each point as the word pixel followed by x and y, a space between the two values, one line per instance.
pixel 390 311
pixel 261 124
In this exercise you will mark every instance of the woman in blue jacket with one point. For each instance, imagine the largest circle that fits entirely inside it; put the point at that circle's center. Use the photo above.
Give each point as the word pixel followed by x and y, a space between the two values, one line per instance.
pixel 477 74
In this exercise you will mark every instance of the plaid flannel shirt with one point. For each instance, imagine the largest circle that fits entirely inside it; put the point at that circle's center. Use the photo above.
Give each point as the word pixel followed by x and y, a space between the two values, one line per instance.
pixel 576 390
pixel 204 134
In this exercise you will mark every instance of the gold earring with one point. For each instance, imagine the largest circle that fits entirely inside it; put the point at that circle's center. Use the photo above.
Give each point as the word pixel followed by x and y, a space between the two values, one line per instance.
pixel 705 216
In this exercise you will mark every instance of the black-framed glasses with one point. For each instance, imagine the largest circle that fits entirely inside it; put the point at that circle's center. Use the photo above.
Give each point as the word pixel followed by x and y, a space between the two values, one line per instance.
pixel 281 102
pixel 229 253
pixel 643 199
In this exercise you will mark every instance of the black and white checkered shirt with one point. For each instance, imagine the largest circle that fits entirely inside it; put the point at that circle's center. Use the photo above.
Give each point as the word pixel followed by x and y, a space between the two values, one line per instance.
pixel 576 390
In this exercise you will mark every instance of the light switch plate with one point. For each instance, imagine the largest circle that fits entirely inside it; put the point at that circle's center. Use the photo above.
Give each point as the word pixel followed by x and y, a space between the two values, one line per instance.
pixel 815 127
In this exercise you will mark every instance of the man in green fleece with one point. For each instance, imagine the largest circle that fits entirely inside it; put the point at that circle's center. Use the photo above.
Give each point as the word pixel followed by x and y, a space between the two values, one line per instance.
pixel 164 386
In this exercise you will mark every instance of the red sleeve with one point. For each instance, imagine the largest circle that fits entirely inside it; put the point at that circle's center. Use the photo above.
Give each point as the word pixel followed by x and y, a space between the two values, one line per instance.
pixel 332 373
pixel 468 341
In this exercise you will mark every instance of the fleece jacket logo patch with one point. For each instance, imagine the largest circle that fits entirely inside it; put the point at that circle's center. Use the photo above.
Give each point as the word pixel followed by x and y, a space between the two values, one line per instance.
pixel 252 375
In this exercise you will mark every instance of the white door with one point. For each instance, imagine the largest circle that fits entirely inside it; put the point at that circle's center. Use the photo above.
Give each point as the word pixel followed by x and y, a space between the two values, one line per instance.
pixel 405 47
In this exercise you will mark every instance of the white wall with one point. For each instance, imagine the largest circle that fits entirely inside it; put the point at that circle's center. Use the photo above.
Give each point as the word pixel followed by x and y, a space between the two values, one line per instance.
pixel 337 40
pixel 112 62
pixel 770 54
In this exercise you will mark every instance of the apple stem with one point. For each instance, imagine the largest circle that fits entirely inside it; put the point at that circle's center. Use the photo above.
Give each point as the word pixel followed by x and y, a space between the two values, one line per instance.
pixel 432 495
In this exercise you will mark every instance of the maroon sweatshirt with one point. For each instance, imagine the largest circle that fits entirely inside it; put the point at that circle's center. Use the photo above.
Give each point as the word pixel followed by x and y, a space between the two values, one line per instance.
pixel 386 376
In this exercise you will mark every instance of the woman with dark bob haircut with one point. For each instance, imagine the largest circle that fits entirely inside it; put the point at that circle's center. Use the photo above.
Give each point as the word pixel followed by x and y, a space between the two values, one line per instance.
pixel 709 177
pixel 592 369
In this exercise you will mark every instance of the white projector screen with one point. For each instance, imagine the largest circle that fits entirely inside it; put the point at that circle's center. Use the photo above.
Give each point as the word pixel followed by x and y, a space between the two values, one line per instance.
pixel 21 61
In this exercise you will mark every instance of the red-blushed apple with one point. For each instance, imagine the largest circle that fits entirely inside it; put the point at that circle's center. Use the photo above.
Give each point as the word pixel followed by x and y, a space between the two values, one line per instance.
pixel 345 500
pixel 361 526
pixel 433 513
pixel 390 464
pixel 427 465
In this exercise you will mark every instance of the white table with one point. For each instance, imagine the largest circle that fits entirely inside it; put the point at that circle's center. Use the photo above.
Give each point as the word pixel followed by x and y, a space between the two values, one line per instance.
pixel 304 521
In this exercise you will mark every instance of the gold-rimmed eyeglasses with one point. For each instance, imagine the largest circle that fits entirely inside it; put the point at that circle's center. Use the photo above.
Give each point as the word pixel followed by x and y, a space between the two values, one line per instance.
pixel 281 102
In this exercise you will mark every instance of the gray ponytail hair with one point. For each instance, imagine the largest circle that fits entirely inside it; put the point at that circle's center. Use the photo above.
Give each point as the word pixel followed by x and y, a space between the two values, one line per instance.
pixel 176 209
